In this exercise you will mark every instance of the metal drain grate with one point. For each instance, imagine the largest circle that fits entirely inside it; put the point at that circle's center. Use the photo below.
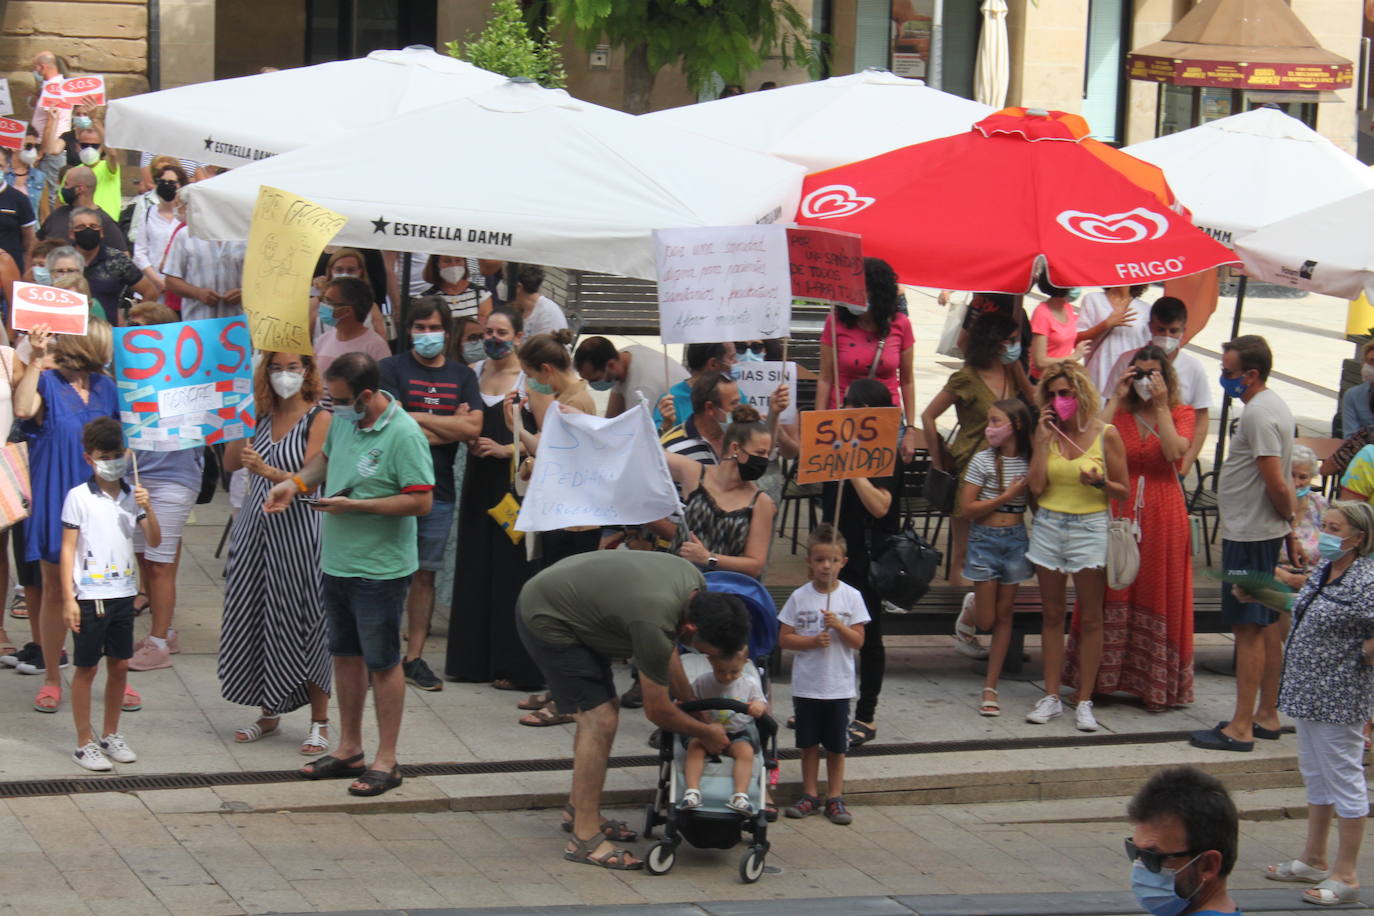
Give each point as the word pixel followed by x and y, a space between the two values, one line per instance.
pixel 38 787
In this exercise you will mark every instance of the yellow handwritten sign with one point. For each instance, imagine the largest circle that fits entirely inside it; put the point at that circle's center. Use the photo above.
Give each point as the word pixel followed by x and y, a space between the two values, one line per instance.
pixel 284 242
pixel 840 444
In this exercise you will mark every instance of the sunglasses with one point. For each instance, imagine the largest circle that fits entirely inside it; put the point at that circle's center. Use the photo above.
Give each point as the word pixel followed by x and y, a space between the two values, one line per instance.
pixel 756 346
pixel 1154 860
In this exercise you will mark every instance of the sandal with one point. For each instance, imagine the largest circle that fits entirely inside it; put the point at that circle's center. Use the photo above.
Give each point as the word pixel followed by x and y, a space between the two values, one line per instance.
pixel 1297 871
pixel 770 812
pixel 989 708
pixel 860 734
pixel 133 700
pixel 615 831
pixel 6 647
pixel 19 609
pixel 47 692
pixel 316 742
pixel 140 608
pixel 331 767
pixel 255 732
pixel 535 702
pixel 966 635
pixel 505 683
pixel 1332 893
pixel 616 859
pixel 543 718
pixel 376 782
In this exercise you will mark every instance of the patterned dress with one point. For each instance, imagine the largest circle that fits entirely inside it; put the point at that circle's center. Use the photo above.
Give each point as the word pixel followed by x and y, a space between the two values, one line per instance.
pixel 274 642
pixel 720 532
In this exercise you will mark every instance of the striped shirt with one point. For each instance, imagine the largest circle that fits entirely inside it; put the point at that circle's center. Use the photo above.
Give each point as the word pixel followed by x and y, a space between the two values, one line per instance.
pixel 685 440
pixel 982 470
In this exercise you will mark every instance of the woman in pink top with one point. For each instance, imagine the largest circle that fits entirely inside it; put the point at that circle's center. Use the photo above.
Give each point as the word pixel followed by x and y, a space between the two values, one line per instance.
pixel 860 335
pixel 1054 329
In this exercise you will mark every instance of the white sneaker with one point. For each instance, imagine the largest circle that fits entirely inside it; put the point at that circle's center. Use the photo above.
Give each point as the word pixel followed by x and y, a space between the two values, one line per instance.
pixel 117 749
pixel 1046 709
pixel 690 799
pixel 1083 717
pixel 92 758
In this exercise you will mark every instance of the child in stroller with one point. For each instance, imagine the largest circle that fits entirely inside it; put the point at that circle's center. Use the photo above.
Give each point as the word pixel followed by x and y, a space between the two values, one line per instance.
pixel 731 678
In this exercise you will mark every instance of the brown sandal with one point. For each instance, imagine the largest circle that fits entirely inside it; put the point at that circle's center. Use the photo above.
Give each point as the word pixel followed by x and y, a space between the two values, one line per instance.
pixel 543 718
pixel 615 831
pixel 535 701
pixel 616 860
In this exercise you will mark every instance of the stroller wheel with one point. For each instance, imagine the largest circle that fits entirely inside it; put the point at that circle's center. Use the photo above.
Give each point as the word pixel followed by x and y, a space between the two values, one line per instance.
pixel 751 866
pixel 661 857
pixel 650 821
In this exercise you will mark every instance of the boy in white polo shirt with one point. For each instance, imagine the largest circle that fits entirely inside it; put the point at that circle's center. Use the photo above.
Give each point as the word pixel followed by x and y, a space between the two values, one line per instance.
pixel 99 582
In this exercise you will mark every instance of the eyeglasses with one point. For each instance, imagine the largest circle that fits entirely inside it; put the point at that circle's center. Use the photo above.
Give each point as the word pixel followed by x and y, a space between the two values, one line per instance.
pixel 63 271
pixel 1154 860
pixel 90 146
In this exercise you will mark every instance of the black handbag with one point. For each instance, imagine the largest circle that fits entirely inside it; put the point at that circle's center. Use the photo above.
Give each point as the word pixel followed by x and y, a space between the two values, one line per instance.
pixel 902 566
pixel 940 489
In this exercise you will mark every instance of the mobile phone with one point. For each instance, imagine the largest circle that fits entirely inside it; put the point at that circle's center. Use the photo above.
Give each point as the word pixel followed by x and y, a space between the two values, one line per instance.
pixel 315 500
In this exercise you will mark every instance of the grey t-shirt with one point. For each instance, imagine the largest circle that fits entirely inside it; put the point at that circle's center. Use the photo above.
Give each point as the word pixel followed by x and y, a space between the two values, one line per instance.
pixel 1265 430
pixel 650 374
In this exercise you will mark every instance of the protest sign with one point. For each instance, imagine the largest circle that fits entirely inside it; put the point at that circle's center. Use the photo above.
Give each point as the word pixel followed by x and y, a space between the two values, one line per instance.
pixel 730 283
pixel 12 133
pixel 841 444
pixel 596 471
pixel 284 241
pixel 6 102
pixel 51 96
pixel 84 90
pixel 827 268
pixel 186 384
pixel 758 381
pixel 62 310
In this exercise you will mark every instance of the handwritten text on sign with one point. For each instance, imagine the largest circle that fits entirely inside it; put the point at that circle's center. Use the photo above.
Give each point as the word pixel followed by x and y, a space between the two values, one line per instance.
pixel 841 444
pixel 827 268
pixel 758 381
pixel 731 283
pixel 284 242
pixel 62 310
pixel 185 385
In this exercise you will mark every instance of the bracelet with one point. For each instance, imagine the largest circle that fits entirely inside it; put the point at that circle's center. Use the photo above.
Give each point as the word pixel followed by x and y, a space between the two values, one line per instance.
pixel 300 484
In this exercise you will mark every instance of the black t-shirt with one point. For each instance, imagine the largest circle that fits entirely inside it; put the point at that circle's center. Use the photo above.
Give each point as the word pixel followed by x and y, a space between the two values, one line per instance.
pixel 856 523
pixel 16 212
pixel 421 389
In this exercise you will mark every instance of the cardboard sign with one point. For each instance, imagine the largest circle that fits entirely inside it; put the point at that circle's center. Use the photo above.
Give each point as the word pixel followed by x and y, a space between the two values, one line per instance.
pixel 186 384
pixel 758 381
pixel 284 241
pixel 12 133
pixel 84 90
pixel 841 444
pixel 6 103
pixel 62 310
pixel 51 96
pixel 827 268
pixel 731 283
pixel 596 471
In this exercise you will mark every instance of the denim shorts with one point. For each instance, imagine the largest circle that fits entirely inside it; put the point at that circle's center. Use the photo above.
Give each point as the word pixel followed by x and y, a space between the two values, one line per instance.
pixel 365 618
pixel 1068 543
pixel 997 554
pixel 433 531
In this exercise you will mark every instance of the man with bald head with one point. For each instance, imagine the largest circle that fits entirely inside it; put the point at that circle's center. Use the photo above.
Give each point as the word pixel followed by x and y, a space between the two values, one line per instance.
pixel 78 191
pixel 50 123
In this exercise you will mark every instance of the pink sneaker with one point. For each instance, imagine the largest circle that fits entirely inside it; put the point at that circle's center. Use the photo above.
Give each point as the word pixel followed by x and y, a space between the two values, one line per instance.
pixel 148 657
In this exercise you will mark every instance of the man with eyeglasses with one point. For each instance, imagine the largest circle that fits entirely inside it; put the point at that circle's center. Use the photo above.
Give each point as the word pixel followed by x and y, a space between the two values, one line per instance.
pixel 1183 845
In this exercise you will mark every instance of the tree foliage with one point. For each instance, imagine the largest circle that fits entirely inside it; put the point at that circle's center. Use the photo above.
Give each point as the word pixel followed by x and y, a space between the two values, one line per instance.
pixel 506 46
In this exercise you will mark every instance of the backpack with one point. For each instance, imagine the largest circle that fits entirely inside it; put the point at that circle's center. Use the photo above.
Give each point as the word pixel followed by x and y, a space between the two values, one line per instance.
pixel 902 567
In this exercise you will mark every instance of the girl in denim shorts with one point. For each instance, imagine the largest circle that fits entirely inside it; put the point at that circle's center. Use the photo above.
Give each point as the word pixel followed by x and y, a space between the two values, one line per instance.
pixel 993 498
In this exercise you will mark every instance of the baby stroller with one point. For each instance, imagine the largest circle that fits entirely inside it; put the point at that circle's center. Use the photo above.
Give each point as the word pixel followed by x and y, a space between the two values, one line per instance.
pixel 714 825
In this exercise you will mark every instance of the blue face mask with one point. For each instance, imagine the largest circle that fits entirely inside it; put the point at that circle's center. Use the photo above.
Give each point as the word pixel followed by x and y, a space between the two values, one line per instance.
pixel 1233 387
pixel 81 122
pixel 1329 546
pixel 474 352
pixel 497 349
pixel 1303 491
pixel 429 344
pixel 41 275
pixel 347 413
pixel 1155 890
pixel 749 356
pixel 327 317
pixel 537 386
pixel 1011 353
pixel 604 384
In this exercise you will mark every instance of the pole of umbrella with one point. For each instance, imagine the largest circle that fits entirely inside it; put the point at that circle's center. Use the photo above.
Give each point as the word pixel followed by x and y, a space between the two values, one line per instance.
pixel 1226 400
pixel 405 291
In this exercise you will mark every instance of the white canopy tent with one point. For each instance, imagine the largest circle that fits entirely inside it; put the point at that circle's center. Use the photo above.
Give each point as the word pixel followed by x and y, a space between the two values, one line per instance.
pixel 1324 250
pixel 830 122
pixel 236 121
pixel 570 184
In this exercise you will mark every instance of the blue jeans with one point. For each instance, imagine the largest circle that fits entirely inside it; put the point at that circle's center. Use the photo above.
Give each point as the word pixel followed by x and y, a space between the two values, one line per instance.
pixel 365 618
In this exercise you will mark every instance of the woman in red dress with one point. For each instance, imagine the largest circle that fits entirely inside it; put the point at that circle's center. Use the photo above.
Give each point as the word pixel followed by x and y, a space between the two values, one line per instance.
pixel 1148 627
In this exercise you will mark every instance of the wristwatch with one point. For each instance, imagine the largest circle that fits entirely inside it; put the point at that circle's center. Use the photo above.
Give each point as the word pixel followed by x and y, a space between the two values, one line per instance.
pixel 712 564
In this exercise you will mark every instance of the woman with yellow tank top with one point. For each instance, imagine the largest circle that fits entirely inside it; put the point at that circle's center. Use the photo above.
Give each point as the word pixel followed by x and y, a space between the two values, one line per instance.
pixel 1078 464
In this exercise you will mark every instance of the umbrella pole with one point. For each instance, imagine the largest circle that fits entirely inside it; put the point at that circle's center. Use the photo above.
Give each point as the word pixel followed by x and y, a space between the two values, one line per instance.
pixel 405 289
pixel 773 418
pixel 1226 400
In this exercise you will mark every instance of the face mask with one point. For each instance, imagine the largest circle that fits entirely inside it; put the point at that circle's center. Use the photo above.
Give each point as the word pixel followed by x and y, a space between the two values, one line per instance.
pixel 286 384
pixel 347 413
pixel 1073 293
pixel 1065 406
pixel 452 274
pixel 167 190
pixel 1010 353
pixel 430 344
pixel 339 275
pixel 1367 373
pixel 87 237
pixel 537 386
pixel 28 155
pixel 89 155
pixel 1233 387
pixel 81 122
pixel 1142 389
pixel 605 384
pixel 1303 491
pixel 68 196
pixel 855 310
pixel 1329 546
pixel 752 467
pixel 1167 344
pixel 474 352
pixel 998 435
pixel 749 356
pixel 1155 891
pixel 733 372
pixel 327 316
pixel 111 469
pixel 41 275
pixel 497 349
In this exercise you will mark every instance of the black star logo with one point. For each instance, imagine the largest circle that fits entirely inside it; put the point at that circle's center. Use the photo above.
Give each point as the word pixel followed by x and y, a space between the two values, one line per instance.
pixel 379 224
pixel 209 141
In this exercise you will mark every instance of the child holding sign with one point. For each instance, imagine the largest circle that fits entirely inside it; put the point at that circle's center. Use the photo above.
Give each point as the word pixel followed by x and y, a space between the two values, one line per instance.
pixel 823 622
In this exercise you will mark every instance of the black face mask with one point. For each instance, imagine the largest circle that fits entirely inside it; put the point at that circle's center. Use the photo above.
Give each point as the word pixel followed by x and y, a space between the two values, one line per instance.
pixel 167 190
pixel 69 196
pixel 752 468
pixel 87 237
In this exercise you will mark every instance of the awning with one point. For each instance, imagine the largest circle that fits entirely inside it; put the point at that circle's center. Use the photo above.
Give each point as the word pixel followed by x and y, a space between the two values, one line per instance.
pixel 1241 44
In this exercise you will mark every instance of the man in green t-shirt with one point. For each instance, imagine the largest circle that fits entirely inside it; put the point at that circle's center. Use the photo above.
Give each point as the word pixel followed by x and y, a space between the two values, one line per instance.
pixel 377 470
pixel 578 615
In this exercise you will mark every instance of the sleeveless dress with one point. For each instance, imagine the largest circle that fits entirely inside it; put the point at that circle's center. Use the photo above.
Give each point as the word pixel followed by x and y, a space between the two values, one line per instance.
pixel 720 532
pixel 1147 636
pixel 273 641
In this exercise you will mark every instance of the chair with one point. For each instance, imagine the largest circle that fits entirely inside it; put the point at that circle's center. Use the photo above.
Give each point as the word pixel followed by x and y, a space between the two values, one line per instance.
pixel 1202 502
pixel 793 496
pixel 913 504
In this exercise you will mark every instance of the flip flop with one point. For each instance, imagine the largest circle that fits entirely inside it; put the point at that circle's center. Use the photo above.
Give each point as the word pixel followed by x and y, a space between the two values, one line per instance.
pixel 378 782
pixel 615 860
pixel 1331 893
pixel 1296 871
pixel 543 719
pixel 331 767
pixel 47 692
pixel 535 702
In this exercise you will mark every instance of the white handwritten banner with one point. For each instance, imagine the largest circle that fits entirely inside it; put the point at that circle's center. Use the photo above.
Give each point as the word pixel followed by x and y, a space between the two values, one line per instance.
pixel 597 471
pixel 758 381
pixel 730 283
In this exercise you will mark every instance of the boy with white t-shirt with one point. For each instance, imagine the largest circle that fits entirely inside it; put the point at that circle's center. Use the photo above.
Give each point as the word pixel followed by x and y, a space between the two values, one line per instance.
pixel 730 678
pixel 823 623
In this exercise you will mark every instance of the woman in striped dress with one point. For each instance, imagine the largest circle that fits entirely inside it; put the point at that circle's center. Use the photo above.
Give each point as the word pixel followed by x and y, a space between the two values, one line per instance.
pixel 274 650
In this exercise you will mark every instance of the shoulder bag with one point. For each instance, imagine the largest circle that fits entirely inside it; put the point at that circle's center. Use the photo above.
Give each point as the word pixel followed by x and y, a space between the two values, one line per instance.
pixel 505 512
pixel 16 492
pixel 1123 544
pixel 901 566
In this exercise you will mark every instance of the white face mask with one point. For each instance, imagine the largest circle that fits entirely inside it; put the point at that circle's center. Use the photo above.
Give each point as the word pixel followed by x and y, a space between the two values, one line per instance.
pixel 1142 389
pixel 452 274
pixel 112 468
pixel 28 156
pixel 285 383
pixel 339 275
pixel 89 156
pixel 1367 373
pixel 1167 344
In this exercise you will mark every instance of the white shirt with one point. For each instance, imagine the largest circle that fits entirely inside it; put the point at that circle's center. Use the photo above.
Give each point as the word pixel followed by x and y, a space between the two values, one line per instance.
pixel 746 688
pixel 1194 387
pixel 105 563
pixel 825 673
pixel 648 372
pixel 545 318
pixel 1107 349
pixel 151 244
pixel 212 265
